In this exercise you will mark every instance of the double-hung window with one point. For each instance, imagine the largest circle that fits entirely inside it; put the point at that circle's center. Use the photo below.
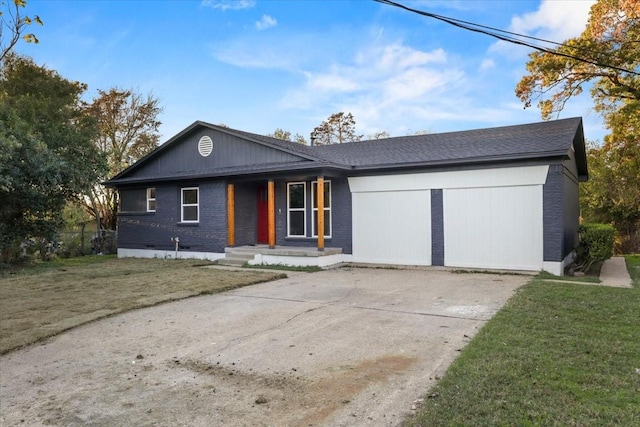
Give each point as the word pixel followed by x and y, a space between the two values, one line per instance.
pixel 190 211
pixel 296 209
pixel 327 208
pixel 151 199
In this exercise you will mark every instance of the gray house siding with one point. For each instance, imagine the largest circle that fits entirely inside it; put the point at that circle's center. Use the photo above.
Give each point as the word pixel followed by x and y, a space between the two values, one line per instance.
pixel 246 218
pixel 249 161
pixel 571 213
pixel 340 213
pixel 561 212
pixel 437 228
pixel 228 151
pixel 142 230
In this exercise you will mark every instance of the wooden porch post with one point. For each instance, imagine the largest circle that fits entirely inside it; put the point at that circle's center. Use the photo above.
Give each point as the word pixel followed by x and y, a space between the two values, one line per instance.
pixel 271 213
pixel 231 215
pixel 320 200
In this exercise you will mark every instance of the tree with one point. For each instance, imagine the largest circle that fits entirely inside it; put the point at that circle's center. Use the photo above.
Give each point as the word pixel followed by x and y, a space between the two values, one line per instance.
pixel 382 134
pixel 285 135
pixel 609 40
pixel 14 23
pixel 609 45
pixel 337 129
pixel 46 152
pixel 127 130
pixel 612 194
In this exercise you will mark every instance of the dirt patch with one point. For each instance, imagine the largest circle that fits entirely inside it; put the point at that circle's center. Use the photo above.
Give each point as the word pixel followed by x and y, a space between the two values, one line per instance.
pixel 287 398
pixel 162 394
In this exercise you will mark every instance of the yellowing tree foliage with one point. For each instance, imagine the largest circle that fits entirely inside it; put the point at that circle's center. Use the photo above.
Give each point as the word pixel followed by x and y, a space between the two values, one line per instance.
pixel 127 130
pixel 12 25
pixel 337 129
pixel 612 40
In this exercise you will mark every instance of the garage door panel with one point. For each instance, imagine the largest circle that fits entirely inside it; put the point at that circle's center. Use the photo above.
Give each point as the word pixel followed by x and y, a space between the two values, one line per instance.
pixel 392 227
pixel 497 227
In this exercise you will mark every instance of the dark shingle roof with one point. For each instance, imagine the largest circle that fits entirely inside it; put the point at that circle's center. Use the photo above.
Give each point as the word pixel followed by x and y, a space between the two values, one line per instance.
pixel 501 144
pixel 553 138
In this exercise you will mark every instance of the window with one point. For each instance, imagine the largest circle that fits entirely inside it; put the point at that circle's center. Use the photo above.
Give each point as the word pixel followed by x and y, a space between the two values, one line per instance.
pixel 133 200
pixel 296 209
pixel 190 208
pixel 327 208
pixel 151 199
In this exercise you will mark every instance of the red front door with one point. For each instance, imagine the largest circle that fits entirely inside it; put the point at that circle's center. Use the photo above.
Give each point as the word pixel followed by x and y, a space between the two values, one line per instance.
pixel 263 215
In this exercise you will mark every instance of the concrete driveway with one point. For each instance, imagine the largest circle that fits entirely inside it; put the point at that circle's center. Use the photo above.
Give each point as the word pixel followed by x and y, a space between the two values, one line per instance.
pixel 344 347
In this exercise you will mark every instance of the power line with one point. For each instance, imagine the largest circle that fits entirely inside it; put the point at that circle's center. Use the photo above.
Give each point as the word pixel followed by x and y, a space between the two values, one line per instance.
pixel 490 31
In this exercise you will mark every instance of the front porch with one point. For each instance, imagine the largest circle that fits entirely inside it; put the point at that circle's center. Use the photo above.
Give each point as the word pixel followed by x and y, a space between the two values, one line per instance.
pixel 283 255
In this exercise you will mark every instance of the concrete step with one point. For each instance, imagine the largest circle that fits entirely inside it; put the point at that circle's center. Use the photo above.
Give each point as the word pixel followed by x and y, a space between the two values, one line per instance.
pixel 235 259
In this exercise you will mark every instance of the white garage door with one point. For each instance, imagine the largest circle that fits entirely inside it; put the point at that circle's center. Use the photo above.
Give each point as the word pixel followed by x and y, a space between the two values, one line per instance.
pixel 392 227
pixel 493 227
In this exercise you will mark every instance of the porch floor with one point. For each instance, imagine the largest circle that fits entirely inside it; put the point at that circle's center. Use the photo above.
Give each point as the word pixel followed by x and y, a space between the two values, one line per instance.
pixel 282 251
pixel 287 255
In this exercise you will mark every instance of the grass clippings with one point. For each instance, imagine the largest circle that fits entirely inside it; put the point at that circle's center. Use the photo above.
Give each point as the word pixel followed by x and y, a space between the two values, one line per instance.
pixel 282 267
pixel 39 303
pixel 558 354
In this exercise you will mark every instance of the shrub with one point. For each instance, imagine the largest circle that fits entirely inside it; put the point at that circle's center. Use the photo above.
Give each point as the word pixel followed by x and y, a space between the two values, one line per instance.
pixel 596 244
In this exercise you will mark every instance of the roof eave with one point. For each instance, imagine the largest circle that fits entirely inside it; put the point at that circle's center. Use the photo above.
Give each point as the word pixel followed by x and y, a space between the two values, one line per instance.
pixel 230 174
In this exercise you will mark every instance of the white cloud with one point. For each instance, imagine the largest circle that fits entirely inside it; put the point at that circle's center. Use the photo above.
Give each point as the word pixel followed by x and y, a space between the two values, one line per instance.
pixel 266 22
pixel 332 82
pixel 487 64
pixel 229 4
pixel 554 20
pixel 385 87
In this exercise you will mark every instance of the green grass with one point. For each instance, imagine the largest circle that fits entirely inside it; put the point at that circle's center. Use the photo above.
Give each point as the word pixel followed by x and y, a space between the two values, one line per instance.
pixel 42 266
pixel 633 265
pixel 558 354
pixel 45 300
pixel 548 276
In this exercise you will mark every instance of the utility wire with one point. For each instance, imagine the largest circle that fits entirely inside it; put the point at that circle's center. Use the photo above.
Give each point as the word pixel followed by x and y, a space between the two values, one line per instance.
pixel 484 30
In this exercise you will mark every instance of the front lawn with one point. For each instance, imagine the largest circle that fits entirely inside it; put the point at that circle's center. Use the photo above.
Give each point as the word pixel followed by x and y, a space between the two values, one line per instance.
pixel 48 299
pixel 556 354
pixel 633 265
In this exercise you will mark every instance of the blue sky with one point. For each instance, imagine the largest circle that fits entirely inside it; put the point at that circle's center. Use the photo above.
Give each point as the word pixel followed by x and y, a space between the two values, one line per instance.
pixel 262 65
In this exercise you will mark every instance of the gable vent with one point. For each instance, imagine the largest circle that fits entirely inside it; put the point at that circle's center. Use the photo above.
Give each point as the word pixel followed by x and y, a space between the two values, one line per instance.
pixel 205 146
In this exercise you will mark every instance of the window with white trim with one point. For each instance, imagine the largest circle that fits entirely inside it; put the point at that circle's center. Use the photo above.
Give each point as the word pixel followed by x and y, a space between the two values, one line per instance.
pixel 296 209
pixel 327 208
pixel 190 210
pixel 151 199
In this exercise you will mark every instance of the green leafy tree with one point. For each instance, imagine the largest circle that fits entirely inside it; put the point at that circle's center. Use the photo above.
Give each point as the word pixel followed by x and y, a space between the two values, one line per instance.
pixel 12 25
pixel 127 130
pixel 46 152
pixel 337 129
pixel 285 135
pixel 612 194
pixel 609 45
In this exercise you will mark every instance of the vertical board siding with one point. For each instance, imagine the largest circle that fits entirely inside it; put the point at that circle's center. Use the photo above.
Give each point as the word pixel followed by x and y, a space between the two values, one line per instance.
pixel 494 227
pixel 392 227
pixel 228 151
